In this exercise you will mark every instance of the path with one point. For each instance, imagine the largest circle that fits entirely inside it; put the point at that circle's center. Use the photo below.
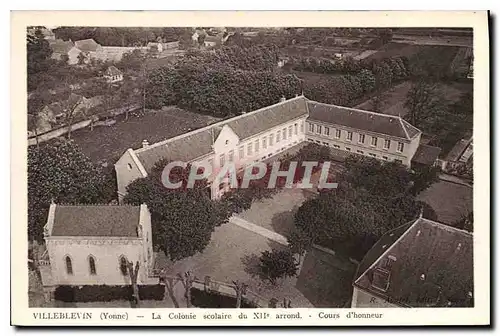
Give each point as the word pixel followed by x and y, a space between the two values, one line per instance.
pixel 258 230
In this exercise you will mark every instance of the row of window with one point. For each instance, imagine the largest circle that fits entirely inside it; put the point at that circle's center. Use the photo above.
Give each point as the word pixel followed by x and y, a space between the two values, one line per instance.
pixel 254 147
pixel 361 137
pixel 92 265
pixel 349 150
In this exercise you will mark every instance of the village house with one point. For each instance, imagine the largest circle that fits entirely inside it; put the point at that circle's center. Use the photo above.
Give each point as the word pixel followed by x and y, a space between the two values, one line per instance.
pixel 92 244
pixel 419 264
pixel 113 75
pixel 64 50
pixel 261 134
pixel 89 48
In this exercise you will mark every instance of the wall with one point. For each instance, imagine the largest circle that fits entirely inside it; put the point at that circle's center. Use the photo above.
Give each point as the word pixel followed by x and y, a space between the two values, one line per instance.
pixel 105 250
pixel 362 299
pixel 127 171
pixel 366 148
pixel 58 132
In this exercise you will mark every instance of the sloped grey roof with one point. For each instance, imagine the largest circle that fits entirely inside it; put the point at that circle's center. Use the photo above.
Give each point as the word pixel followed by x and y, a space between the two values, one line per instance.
pixel 198 143
pixel 442 254
pixel 87 45
pixel 96 220
pixel 61 47
pixel 361 120
pixel 426 154
pixel 113 71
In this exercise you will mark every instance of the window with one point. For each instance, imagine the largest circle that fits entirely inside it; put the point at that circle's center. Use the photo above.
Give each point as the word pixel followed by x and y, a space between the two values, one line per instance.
pixel 289 131
pixel 387 144
pixel 348 149
pixel 129 166
pixel 401 146
pixel 222 160
pixel 349 136
pixel 264 143
pixel 302 127
pixel 374 141
pixel 256 146
pixel 241 152
pixel 69 265
pixel 271 139
pixel 231 156
pixel 361 138
pixel 123 265
pixel 327 131
pixel 359 151
pixel 336 146
pixel 385 158
pixel 326 144
pixel 337 133
pixel 399 161
pixel 318 129
pixel 284 133
pixel 227 142
pixel 372 155
pixel 296 129
pixel 278 135
pixel 92 265
pixel 249 149
pixel 211 162
pixel 311 127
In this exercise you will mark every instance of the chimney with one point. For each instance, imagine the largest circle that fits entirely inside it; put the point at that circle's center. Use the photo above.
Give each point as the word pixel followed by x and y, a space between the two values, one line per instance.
pixel 145 143
pixel 282 99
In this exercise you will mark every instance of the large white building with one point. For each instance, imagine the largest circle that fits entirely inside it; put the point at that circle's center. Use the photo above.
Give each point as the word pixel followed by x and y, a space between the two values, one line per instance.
pixel 91 244
pixel 263 133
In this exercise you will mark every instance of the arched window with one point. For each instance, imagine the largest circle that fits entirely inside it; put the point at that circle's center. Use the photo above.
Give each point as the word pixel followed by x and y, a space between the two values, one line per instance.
pixel 123 265
pixel 92 265
pixel 69 266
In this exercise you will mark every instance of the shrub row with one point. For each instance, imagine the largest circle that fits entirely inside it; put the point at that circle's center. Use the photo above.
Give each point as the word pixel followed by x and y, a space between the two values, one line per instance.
pixel 103 293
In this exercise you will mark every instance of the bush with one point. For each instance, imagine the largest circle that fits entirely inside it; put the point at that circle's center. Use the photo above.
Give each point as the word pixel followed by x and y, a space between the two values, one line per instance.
pixel 204 299
pixel 278 264
pixel 104 293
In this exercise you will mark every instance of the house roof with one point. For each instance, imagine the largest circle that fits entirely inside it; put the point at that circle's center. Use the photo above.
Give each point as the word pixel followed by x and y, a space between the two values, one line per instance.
pixel 362 120
pixel 457 150
pixel 96 220
pixel 87 45
pixel 213 39
pixel 192 145
pixel 426 154
pixel 432 266
pixel 60 46
pixel 113 71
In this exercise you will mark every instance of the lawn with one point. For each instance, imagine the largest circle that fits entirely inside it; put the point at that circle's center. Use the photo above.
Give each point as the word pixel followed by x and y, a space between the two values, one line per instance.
pixel 449 200
pixel 395 97
pixel 395 49
pixel 108 143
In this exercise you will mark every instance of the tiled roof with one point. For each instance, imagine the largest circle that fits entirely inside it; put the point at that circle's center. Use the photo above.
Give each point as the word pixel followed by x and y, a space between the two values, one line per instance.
pixel 457 150
pixel 432 265
pixel 87 45
pixel 361 120
pixel 96 220
pixel 195 144
pixel 426 154
pixel 113 71
pixel 60 46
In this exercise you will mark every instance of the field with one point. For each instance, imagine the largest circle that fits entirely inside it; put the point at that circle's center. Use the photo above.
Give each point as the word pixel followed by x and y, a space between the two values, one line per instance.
pixel 108 143
pixel 394 98
pixel 395 49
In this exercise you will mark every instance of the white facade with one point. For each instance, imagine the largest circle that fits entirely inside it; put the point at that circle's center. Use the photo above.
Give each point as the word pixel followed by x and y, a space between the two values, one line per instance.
pixel 379 146
pixel 97 260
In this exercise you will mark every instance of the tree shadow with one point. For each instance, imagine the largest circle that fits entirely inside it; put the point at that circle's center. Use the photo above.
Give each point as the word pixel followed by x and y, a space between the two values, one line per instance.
pixel 252 266
pixel 284 222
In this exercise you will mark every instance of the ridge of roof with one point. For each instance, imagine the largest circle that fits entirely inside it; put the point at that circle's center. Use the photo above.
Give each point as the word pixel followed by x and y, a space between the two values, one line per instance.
pixel 211 126
pixel 355 109
pixel 404 128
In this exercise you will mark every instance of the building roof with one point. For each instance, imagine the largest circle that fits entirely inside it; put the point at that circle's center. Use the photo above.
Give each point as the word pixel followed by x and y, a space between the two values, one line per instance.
pixel 60 46
pixel 96 220
pixel 87 45
pixel 457 150
pixel 64 106
pixel 426 154
pixel 432 265
pixel 195 144
pixel 113 71
pixel 362 120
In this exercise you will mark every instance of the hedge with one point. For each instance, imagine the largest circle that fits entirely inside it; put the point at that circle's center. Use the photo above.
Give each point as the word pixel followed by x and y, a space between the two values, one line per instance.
pixel 204 299
pixel 100 293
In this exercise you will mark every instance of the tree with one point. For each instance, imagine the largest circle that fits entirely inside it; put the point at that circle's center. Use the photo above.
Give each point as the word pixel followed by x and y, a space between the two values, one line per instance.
pixel 424 105
pixel 466 222
pixel 182 219
pixel 367 79
pixel 241 289
pixel 187 281
pixel 133 273
pixel 385 35
pixel 378 102
pixel 300 241
pixel 276 264
pixel 60 172
pixel 38 52
pixel 423 177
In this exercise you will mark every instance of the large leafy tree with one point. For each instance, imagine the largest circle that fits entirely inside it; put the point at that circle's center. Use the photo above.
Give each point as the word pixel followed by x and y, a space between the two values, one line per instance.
pixel 39 52
pixel 182 219
pixel 62 173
